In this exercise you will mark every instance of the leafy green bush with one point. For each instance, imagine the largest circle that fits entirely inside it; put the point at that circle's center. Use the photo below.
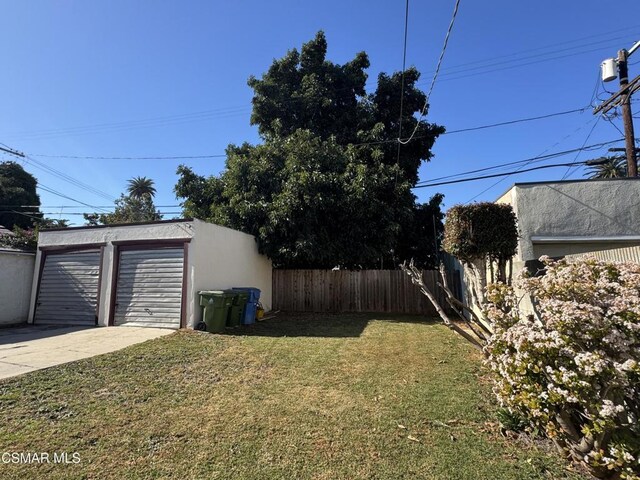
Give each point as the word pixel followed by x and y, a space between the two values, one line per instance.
pixel 574 373
pixel 481 230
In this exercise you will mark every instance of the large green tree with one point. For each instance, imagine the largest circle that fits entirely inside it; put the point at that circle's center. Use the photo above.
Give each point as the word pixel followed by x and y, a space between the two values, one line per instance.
pixel 18 195
pixel 326 187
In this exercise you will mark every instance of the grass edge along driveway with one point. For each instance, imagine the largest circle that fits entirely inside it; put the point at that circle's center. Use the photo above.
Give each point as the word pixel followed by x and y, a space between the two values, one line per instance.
pixel 300 396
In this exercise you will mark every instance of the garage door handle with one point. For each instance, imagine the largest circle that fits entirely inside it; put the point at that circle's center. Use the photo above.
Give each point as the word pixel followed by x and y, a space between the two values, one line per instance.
pixel 148 311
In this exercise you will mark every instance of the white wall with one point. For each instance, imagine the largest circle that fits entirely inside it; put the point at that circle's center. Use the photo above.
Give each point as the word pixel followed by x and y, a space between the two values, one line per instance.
pixel 221 258
pixel 16 278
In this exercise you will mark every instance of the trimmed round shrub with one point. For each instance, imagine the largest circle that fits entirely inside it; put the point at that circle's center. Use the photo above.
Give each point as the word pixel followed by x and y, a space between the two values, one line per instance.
pixel 481 230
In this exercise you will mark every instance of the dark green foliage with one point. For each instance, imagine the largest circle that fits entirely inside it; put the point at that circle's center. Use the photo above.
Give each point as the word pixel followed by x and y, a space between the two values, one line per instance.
pixel 481 230
pixel 325 188
pixel 128 210
pixel 421 236
pixel 306 202
pixel 17 187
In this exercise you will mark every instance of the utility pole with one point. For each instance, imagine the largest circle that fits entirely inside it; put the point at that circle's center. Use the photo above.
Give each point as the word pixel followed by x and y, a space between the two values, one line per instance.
pixel 627 118
pixel 622 98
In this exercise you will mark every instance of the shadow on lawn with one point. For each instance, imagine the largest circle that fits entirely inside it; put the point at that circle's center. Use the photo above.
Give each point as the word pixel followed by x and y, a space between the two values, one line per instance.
pixel 319 324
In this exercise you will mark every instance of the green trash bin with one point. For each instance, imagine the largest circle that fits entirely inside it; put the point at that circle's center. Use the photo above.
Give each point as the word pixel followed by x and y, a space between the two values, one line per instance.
pixel 237 307
pixel 217 304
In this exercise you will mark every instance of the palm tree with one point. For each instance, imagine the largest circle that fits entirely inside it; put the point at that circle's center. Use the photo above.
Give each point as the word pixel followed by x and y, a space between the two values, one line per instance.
pixel 139 187
pixel 614 167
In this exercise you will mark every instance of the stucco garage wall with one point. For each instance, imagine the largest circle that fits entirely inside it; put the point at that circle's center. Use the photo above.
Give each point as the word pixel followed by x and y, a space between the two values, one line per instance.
pixel 16 278
pixel 605 209
pixel 106 235
pixel 222 258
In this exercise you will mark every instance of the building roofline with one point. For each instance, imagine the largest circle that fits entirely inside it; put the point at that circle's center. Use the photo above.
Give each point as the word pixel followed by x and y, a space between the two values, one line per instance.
pixel 584 239
pixel 552 182
pixel 87 227
pixel 17 251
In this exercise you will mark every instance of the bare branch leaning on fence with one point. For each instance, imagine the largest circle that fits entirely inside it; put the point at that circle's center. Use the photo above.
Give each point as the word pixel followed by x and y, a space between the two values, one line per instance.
pixel 416 279
pixel 460 308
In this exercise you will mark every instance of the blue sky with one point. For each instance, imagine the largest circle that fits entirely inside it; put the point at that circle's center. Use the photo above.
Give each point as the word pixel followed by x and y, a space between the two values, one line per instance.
pixel 168 78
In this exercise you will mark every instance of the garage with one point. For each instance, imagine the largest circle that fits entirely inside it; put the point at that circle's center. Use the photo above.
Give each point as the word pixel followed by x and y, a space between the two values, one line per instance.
pixel 149 287
pixel 69 288
pixel 141 274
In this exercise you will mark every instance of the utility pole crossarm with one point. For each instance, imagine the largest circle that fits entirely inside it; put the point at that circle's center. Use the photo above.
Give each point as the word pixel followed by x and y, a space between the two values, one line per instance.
pixel 615 99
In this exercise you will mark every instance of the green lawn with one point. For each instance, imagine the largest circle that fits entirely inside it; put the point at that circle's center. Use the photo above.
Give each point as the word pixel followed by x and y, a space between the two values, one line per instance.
pixel 322 397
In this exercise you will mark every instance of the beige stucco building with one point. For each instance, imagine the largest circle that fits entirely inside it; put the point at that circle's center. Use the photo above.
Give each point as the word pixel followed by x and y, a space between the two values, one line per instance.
pixel 575 216
pixel 141 274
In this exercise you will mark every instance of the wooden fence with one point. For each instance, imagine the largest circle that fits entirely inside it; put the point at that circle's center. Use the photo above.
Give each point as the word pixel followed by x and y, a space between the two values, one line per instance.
pixel 356 291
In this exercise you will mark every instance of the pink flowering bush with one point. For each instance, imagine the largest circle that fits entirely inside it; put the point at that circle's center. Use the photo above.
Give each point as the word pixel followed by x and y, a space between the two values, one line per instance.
pixel 574 372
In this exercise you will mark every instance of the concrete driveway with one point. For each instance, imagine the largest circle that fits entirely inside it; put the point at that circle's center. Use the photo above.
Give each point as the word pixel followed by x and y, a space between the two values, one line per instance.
pixel 27 348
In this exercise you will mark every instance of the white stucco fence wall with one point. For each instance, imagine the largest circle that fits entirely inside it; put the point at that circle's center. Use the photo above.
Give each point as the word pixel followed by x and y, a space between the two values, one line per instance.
pixel 16 278
pixel 221 258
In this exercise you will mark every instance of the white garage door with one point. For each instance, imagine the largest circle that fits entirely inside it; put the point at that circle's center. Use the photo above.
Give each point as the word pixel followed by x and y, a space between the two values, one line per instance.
pixel 149 288
pixel 68 292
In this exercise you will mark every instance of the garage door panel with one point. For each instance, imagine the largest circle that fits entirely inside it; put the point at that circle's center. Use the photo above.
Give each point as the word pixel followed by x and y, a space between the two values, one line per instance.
pixel 149 288
pixel 77 283
pixel 173 301
pixel 68 288
pixel 143 288
pixel 169 278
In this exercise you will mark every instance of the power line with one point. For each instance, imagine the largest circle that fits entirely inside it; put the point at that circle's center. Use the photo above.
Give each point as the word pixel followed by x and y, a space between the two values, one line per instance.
pixel 539 167
pixel 76 206
pixel 529 57
pixel 68 178
pixel 185 157
pixel 525 161
pixel 423 112
pixel 54 192
pixel 511 122
pixel 404 64
pixel 133 124
pixel 72 213
pixel 542 153
pixel 229 111
pixel 519 65
pixel 593 127
pixel 379 142
pixel 57 173
pixel 464 66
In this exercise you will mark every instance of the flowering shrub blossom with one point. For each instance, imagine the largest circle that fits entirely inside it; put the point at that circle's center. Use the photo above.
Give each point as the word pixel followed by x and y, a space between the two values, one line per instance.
pixel 574 371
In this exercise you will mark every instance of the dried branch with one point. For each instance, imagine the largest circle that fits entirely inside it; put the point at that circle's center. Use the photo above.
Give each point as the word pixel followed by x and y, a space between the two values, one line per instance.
pixel 416 279
pixel 460 308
